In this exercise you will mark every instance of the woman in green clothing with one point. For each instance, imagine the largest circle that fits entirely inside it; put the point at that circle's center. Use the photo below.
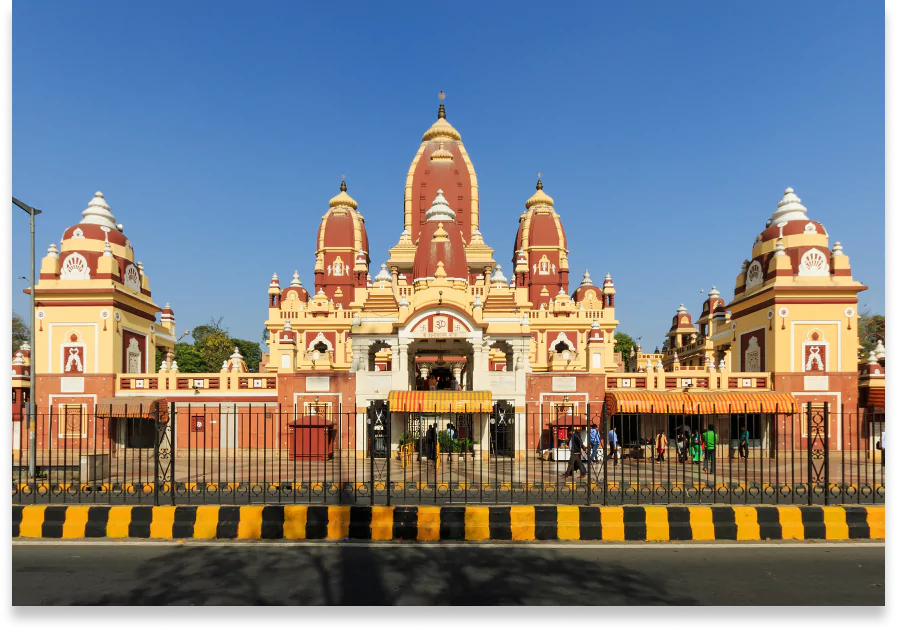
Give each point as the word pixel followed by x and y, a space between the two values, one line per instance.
pixel 696 447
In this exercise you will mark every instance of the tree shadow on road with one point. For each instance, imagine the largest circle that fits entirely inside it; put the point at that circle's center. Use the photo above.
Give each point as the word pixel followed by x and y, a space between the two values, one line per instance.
pixel 352 574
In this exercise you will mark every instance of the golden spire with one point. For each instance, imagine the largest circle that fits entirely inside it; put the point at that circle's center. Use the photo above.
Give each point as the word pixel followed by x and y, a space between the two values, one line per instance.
pixel 441 129
pixel 441 105
pixel 539 198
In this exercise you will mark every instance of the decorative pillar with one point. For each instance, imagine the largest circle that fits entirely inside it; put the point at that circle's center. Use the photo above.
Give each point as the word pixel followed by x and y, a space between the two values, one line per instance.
pixel 400 378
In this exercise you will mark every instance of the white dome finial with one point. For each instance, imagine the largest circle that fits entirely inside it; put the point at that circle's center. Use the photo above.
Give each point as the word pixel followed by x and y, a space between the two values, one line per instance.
pixel 586 278
pixel 879 350
pixel 681 309
pixel 789 209
pixel 498 278
pixel 98 212
pixel 296 282
pixel 439 209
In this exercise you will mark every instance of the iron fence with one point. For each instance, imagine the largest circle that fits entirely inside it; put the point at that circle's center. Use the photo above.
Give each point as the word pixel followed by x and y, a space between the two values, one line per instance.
pixel 181 454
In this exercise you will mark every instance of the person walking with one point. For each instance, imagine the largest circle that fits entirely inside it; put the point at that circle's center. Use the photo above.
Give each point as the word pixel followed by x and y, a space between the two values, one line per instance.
pixel 431 443
pixel 612 445
pixel 594 443
pixel 743 437
pixel 575 462
pixel 710 438
pixel 660 444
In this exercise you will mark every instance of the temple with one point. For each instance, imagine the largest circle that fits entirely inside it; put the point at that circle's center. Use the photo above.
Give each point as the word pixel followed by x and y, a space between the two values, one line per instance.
pixel 440 330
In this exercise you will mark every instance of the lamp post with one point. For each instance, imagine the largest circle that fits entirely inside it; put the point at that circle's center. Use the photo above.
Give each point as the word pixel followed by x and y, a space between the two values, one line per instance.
pixel 32 421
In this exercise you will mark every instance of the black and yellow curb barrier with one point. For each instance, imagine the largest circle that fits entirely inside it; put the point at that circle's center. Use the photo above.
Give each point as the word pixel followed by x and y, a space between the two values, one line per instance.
pixel 540 522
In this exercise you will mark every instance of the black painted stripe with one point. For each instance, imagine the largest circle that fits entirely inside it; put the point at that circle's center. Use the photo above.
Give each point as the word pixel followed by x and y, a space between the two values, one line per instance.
pixel 634 525
pixel 404 523
pixel 184 520
pixel 679 519
pixel 546 522
pixel 857 522
pixel 141 517
pixel 590 523
pixel 500 523
pixel 814 523
pixel 16 519
pixel 97 519
pixel 724 523
pixel 770 525
pixel 228 521
pixel 272 522
pixel 451 523
pixel 316 522
pixel 360 522
pixel 54 517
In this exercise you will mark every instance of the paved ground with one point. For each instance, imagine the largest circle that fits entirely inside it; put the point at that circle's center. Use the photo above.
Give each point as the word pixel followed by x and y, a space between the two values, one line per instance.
pixel 463 574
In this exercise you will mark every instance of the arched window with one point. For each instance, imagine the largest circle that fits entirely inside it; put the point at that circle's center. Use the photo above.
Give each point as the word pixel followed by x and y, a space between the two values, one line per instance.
pixel 321 347
pixel 132 278
pixel 75 268
pixel 561 346
pixel 813 263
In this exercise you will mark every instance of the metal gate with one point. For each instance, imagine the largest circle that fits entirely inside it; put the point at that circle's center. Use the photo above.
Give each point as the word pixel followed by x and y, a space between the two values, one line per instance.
pixel 378 448
pixel 501 430
pixel 163 450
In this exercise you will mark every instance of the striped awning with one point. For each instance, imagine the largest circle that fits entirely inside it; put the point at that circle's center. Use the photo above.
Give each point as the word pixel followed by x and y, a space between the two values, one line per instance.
pixel 131 407
pixel 699 402
pixel 441 401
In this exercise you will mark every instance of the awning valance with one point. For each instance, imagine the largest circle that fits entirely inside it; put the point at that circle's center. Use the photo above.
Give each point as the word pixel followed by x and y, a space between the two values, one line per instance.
pixel 132 407
pixel 441 401
pixel 699 402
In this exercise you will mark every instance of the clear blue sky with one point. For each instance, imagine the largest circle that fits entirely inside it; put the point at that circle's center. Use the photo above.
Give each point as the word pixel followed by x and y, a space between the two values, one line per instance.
pixel 666 133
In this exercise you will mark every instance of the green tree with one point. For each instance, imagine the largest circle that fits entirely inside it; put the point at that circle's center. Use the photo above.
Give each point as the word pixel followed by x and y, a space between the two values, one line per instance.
pixel 251 352
pixel 189 359
pixel 871 329
pixel 625 345
pixel 20 332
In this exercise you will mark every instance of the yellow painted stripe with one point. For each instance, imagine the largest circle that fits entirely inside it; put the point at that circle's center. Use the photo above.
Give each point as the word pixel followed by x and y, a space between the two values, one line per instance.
pixel 119 520
pixel 250 525
pixel 206 525
pixel 163 521
pixel 612 523
pixel 75 521
pixel 568 522
pixel 701 518
pixel 792 523
pixel 428 523
pixel 657 522
pixel 381 523
pixel 476 523
pixel 748 528
pixel 523 522
pixel 875 518
pixel 32 520
pixel 835 519
pixel 295 518
pixel 337 522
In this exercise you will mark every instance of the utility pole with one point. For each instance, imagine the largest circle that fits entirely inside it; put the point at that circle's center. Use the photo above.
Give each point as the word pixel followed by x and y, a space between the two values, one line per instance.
pixel 32 420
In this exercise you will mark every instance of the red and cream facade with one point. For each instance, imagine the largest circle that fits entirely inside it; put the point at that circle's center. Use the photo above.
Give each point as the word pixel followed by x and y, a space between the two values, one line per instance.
pixel 440 303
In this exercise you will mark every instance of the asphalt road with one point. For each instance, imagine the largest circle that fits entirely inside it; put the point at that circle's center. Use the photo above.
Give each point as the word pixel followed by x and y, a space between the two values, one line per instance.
pixel 464 574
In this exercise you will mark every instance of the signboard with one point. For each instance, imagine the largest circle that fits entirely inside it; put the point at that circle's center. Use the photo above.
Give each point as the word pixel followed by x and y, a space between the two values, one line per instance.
pixel 563 384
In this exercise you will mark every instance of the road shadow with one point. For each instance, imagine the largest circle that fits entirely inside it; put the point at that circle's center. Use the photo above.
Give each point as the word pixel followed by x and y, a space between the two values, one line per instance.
pixel 294 574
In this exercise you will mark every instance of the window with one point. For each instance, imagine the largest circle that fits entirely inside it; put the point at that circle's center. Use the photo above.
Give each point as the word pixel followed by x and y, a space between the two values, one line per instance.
pixel 75 268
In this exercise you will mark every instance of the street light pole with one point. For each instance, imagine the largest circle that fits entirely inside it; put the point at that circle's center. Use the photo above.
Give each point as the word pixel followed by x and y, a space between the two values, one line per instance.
pixel 32 420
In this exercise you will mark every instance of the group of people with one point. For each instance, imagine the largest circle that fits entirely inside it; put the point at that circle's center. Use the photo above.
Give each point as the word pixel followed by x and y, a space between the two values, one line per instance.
pixel 434 382
pixel 591 450
pixel 699 446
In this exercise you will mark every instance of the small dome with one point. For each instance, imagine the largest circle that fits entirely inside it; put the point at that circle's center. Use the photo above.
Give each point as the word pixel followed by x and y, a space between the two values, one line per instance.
pixel 296 282
pixel 383 275
pixel 343 200
pixel 586 279
pixel 681 310
pixel 441 154
pixel 98 212
pixel 713 292
pixel 441 129
pixel 539 198
pixel 498 278
pixel 789 209
pixel 439 209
